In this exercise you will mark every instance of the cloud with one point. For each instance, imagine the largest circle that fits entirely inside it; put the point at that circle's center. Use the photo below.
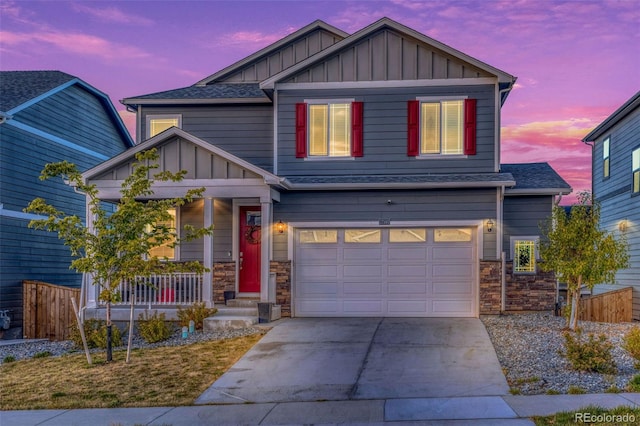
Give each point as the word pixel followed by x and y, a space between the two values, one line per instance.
pixel 112 14
pixel 249 39
pixel 76 43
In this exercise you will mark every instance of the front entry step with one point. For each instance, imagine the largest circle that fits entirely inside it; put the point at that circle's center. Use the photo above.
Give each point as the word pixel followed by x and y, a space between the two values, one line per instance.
pixel 228 321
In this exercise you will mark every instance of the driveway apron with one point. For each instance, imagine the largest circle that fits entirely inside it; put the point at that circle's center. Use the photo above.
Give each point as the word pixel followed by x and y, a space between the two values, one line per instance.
pixel 335 359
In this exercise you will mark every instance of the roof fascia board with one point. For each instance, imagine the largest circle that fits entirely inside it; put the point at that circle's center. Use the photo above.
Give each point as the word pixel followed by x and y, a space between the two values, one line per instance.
pixel 614 118
pixel 104 99
pixel 206 101
pixel 318 24
pixel 382 23
pixel 269 178
pixel 537 191
pixel 395 185
pixel 387 83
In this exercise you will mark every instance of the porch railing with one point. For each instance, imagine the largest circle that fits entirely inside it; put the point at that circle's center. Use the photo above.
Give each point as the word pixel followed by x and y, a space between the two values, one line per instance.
pixel 183 288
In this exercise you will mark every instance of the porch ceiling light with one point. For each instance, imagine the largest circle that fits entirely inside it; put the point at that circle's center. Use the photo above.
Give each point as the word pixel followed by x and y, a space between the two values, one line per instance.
pixel 490 225
pixel 280 227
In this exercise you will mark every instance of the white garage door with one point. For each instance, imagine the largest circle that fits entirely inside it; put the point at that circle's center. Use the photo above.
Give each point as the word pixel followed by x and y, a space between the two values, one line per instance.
pixel 407 272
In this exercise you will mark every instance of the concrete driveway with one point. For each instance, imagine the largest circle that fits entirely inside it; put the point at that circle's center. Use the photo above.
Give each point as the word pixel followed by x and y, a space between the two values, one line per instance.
pixel 335 359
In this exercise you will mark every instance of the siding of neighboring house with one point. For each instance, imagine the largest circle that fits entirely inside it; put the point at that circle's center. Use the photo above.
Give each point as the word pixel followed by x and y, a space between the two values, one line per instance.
pixel 616 200
pixel 522 217
pixel 385 133
pixel 407 205
pixel 65 123
pixel 245 131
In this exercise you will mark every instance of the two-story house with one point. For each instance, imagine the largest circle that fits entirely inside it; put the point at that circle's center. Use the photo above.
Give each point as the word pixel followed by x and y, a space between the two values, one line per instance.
pixel 616 186
pixel 349 175
pixel 46 116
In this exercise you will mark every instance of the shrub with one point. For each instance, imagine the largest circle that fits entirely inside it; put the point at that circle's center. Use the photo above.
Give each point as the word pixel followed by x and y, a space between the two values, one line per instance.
pixel 553 392
pixel 196 312
pixel 593 354
pixel 9 358
pixel 96 333
pixel 575 390
pixel 154 329
pixel 634 384
pixel 43 354
pixel 631 344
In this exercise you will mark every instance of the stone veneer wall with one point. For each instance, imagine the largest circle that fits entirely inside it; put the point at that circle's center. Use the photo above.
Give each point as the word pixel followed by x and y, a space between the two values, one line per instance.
pixel 490 286
pixel 523 292
pixel 536 292
pixel 224 279
pixel 282 269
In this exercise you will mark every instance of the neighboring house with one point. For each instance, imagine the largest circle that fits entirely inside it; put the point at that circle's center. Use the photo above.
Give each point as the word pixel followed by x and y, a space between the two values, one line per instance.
pixel 616 186
pixel 46 116
pixel 348 175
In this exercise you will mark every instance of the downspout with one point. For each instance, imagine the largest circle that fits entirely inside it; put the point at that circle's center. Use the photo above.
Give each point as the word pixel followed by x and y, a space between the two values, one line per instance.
pixel 499 251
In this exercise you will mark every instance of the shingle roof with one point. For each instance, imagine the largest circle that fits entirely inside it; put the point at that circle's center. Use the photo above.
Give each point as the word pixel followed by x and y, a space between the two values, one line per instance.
pixel 536 176
pixel 425 180
pixel 18 87
pixel 202 93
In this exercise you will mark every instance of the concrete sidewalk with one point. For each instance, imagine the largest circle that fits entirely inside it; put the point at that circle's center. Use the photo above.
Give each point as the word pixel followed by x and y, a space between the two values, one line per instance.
pixel 477 410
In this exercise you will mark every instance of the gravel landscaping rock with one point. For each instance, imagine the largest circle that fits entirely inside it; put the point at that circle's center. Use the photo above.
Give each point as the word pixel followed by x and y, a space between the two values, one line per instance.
pixel 27 349
pixel 529 346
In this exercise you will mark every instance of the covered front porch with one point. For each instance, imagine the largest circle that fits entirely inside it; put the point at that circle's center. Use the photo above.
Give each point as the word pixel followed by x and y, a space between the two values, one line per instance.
pixel 238 201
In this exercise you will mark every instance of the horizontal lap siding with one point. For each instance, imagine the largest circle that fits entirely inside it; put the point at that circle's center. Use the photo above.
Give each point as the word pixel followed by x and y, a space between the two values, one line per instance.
pixel 245 131
pixel 352 206
pixel 614 195
pixel 385 133
pixel 523 216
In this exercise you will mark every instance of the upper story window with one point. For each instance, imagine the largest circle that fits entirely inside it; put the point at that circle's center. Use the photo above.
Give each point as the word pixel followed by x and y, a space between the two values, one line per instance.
pixel 605 158
pixel 635 169
pixel 524 252
pixel 441 127
pixel 159 123
pixel 329 129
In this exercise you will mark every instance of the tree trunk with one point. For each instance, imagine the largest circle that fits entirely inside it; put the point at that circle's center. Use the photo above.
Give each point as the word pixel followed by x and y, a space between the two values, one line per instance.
pixel 109 351
pixel 575 304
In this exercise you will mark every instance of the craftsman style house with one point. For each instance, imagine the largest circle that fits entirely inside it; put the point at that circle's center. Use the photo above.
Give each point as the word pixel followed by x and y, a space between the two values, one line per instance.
pixel 616 186
pixel 348 175
pixel 46 116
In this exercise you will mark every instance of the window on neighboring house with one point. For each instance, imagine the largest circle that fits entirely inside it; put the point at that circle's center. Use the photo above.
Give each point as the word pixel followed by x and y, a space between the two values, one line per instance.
pixel 329 129
pixel 635 169
pixel 440 127
pixel 524 251
pixel 605 158
pixel 159 123
pixel 166 250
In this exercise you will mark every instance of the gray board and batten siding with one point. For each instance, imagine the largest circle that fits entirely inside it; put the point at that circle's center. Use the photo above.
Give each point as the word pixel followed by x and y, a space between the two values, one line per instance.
pixel 343 207
pixel 385 133
pixel 616 199
pixel 245 131
pixel 387 55
pixel 74 115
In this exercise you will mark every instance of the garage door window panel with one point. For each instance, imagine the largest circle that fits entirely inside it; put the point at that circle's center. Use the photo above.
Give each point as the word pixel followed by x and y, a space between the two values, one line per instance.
pixel 449 235
pixel 362 236
pixel 319 236
pixel 409 235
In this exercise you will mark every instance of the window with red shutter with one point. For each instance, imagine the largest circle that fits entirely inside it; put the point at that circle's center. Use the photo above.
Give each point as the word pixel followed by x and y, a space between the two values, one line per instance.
pixel 470 127
pixel 357 148
pixel 301 130
pixel 413 128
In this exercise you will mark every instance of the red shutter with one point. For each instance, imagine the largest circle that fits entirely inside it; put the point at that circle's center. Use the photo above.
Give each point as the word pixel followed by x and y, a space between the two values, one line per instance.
pixel 357 148
pixel 301 130
pixel 470 127
pixel 413 130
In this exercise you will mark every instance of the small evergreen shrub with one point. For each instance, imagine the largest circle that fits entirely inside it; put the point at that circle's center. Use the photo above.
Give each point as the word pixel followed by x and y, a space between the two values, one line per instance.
pixel 575 390
pixel 43 354
pixel 553 392
pixel 196 312
pixel 592 354
pixel 634 384
pixel 155 328
pixel 631 344
pixel 96 333
pixel 9 358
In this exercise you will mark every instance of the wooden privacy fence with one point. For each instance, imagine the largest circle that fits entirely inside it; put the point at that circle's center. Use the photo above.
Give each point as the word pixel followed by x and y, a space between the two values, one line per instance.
pixel 613 306
pixel 48 312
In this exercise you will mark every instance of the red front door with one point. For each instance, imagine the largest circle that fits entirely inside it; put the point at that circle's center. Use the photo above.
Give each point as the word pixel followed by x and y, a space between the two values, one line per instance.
pixel 250 253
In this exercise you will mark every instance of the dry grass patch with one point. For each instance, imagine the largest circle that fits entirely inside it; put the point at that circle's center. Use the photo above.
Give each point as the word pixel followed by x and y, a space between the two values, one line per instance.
pixel 167 376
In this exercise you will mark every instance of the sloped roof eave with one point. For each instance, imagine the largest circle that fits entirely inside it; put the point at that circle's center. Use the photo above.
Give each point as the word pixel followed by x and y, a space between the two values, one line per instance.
pixel 629 106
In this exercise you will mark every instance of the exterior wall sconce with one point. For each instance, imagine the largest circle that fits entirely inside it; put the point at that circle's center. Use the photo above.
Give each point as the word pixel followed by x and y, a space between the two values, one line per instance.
pixel 490 225
pixel 622 226
pixel 280 227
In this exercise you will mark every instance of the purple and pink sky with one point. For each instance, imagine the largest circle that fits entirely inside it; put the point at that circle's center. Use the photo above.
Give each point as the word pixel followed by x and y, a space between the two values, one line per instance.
pixel 576 61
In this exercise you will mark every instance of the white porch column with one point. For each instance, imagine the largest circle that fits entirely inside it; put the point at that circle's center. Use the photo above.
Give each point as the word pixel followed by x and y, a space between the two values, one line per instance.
pixel 89 291
pixel 207 285
pixel 265 248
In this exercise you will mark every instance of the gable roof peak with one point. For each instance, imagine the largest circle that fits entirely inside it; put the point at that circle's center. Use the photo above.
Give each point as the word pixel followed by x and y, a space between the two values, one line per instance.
pixel 315 25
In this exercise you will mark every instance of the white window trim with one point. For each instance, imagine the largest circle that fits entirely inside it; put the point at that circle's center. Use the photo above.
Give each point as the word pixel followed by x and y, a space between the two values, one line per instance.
pixel 439 156
pixel 150 117
pixel 512 245
pixel 606 142
pixel 318 101
pixel 176 249
pixel 634 170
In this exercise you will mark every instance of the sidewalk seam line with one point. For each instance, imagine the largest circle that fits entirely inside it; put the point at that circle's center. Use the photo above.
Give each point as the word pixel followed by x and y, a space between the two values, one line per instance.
pixel 354 388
